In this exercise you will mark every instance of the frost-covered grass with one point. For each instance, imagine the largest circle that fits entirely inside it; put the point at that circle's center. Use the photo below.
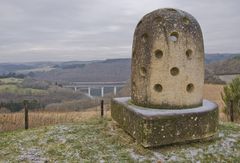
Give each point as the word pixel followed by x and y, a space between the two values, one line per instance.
pixel 101 140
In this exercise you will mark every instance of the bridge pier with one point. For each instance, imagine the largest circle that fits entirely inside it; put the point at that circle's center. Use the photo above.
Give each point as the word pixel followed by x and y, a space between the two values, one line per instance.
pixel 115 90
pixel 89 91
pixel 75 89
pixel 102 91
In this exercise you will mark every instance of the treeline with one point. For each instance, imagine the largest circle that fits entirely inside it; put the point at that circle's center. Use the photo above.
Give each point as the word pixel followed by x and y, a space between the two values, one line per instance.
pixel 12 102
pixel 111 70
pixel 14 106
pixel 226 67
pixel 72 66
pixel 35 84
pixel 210 78
pixel 12 75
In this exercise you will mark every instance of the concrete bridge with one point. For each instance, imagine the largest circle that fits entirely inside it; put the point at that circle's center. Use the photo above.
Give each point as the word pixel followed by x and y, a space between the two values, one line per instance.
pixel 96 85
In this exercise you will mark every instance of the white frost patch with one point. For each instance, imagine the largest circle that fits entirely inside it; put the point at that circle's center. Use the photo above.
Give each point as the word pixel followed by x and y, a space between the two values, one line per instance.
pixel 139 158
pixel 136 156
pixel 228 143
pixel 235 135
pixel 32 155
pixel 159 157
pixel 221 135
pixel 61 131
pixel 173 158
pixel 194 152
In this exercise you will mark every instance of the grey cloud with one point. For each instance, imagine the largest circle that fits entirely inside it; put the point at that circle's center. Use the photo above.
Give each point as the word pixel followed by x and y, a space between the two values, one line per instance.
pixel 43 30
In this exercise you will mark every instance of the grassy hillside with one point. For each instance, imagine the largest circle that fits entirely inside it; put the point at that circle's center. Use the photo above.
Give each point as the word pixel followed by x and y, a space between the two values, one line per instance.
pixel 230 66
pixel 11 81
pixel 14 89
pixel 210 58
pixel 13 86
pixel 101 140
pixel 41 94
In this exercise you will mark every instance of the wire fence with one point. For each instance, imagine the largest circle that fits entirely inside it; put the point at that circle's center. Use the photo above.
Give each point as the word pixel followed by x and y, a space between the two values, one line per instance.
pixel 31 119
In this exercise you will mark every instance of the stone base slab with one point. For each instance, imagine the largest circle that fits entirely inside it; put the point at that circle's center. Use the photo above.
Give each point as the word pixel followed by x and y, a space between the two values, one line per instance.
pixel 156 127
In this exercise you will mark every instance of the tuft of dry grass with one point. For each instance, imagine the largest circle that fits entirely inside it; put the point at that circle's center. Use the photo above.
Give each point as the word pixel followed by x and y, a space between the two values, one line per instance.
pixel 213 92
pixel 14 121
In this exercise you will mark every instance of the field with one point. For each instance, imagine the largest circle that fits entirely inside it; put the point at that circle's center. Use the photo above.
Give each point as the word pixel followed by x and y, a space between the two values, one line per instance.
pixel 12 88
pixel 41 69
pixel 15 121
pixel 12 85
pixel 213 92
pixel 228 78
pixel 101 140
pixel 11 81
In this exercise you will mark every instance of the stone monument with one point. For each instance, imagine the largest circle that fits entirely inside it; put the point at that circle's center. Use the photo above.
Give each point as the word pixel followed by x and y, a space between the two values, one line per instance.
pixel 166 104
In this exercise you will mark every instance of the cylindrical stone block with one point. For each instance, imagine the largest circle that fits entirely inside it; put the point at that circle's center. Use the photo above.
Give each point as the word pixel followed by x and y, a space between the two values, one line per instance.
pixel 167 61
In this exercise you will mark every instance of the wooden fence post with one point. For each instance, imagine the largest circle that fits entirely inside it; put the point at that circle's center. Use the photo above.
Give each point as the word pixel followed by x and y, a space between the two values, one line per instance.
pixel 25 103
pixel 102 111
pixel 231 111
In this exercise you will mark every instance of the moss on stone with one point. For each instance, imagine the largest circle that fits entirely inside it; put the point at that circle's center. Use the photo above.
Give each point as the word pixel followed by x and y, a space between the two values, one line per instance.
pixel 165 129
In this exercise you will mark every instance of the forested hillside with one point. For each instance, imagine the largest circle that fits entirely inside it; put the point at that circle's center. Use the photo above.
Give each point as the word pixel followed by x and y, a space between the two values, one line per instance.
pixel 229 66
pixel 108 70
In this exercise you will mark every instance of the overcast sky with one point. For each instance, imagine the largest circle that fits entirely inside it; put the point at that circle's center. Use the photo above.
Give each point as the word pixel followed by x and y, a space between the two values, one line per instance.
pixel 64 30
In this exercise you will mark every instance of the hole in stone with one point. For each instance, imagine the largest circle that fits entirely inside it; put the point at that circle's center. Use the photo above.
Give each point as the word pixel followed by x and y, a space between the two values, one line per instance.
pixel 143 71
pixel 173 37
pixel 190 88
pixel 144 37
pixel 189 54
pixel 174 71
pixel 186 20
pixel 158 54
pixel 158 87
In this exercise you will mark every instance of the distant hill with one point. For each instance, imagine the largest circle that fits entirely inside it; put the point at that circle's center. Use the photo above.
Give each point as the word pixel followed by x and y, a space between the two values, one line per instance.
pixel 229 66
pixel 27 67
pixel 7 68
pixel 47 66
pixel 210 58
pixel 108 70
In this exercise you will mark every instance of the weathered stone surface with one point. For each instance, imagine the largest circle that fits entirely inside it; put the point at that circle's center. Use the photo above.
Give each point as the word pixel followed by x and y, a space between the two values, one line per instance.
pixel 167 61
pixel 155 127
